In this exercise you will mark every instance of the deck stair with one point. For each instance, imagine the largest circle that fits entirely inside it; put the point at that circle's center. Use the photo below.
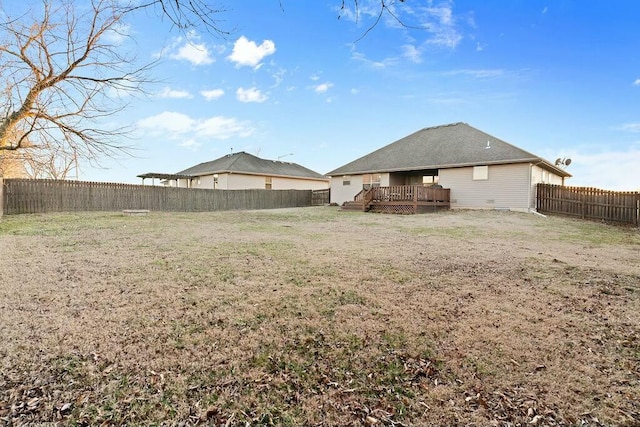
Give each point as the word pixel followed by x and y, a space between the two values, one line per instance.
pixel 353 205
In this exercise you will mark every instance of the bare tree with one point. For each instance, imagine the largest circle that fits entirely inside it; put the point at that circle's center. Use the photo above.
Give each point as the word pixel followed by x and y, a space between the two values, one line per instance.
pixel 185 14
pixel 37 163
pixel 63 74
pixel 12 165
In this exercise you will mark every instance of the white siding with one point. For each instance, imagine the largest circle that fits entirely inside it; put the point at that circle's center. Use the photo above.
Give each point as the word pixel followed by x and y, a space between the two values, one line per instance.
pixel 223 181
pixel 507 187
pixel 341 193
pixel 206 182
pixel 237 181
pixel 539 175
pixel 298 184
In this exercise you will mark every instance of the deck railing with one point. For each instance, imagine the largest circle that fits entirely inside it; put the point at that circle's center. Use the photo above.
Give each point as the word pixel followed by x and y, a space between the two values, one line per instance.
pixel 410 193
pixel 401 199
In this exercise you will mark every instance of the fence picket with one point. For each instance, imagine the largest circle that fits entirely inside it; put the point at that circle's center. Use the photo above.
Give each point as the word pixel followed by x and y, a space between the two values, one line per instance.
pixel 589 203
pixel 39 196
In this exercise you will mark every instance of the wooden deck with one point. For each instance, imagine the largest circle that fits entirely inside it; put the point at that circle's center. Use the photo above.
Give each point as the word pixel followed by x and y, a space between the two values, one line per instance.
pixel 400 199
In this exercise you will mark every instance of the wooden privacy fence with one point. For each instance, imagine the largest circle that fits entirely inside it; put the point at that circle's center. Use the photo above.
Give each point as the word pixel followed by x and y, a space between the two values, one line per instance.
pixel 19 196
pixel 589 203
pixel 320 197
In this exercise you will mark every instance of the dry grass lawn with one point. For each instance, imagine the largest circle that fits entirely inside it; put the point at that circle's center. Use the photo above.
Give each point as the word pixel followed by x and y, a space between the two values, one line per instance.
pixel 314 316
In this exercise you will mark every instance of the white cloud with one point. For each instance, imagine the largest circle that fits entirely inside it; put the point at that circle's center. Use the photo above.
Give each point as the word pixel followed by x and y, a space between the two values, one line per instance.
pixel 168 121
pixel 323 87
pixel 610 170
pixel 360 57
pixel 354 91
pixel 636 82
pixel 366 9
pixel 190 144
pixel 212 94
pixel 437 18
pixel 179 126
pixel 278 77
pixel 440 22
pixel 220 127
pixel 117 34
pixel 195 53
pixel 167 92
pixel 448 38
pixel 476 74
pixel 314 77
pixel 248 53
pixel 631 127
pixel 250 95
pixel 412 53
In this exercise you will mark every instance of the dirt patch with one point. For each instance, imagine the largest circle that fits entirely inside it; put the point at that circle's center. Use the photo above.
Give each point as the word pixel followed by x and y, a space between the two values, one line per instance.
pixel 314 316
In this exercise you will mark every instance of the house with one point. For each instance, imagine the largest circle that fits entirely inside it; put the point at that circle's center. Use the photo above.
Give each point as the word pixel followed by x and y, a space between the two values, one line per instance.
pixel 481 171
pixel 241 171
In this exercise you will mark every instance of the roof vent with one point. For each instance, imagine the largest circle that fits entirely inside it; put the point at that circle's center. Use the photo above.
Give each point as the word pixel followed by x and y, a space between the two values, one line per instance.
pixel 488 145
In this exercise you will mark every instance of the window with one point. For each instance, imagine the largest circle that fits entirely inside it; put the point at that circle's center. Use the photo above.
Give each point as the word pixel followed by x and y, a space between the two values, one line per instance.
pixel 480 173
pixel 371 180
pixel 346 180
pixel 267 182
pixel 429 180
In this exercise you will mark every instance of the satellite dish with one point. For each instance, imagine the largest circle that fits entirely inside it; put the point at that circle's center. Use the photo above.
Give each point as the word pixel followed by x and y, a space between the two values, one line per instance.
pixel 563 161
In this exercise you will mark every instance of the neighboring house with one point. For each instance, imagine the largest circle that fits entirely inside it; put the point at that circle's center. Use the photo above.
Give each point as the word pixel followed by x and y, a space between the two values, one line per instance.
pixel 481 170
pixel 242 171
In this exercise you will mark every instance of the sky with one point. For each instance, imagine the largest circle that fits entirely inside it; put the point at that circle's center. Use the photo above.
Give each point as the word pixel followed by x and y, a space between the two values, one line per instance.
pixel 291 81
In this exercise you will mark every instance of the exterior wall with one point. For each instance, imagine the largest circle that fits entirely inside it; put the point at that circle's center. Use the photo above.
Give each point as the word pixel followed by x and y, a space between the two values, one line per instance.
pixel 279 183
pixel 539 175
pixel 507 187
pixel 236 181
pixel 205 182
pixel 341 193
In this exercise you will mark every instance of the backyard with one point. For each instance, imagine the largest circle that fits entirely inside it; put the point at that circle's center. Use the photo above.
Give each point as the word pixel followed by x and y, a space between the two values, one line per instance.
pixel 313 316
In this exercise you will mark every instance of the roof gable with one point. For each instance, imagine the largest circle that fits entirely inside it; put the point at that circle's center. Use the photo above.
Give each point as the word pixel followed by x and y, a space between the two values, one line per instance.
pixel 242 162
pixel 453 145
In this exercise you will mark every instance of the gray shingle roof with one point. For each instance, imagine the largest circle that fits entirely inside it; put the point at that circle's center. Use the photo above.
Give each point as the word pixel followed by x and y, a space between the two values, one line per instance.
pixel 242 162
pixel 439 147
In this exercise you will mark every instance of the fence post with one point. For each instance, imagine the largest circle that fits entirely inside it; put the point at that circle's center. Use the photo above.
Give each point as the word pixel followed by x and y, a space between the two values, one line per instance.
pixel 1 197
